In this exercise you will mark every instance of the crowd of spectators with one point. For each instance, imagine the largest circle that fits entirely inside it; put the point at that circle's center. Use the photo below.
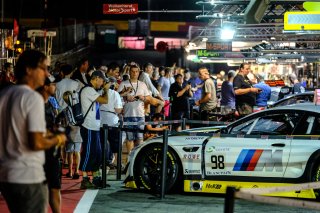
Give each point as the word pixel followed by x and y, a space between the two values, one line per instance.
pixel 108 94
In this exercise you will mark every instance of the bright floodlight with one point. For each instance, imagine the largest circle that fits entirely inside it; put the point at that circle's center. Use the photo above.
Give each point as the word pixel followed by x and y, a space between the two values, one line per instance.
pixel 227 33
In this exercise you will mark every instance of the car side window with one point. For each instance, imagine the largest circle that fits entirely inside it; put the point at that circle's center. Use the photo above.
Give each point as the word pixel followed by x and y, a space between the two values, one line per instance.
pixel 314 128
pixel 242 128
pixel 277 124
pixel 288 102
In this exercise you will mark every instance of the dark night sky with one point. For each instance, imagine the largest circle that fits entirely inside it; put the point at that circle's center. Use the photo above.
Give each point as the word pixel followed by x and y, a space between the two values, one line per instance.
pixel 92 9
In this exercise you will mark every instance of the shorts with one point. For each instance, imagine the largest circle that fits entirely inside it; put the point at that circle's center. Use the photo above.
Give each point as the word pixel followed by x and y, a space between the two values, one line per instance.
pixel 132 136
pixel 91 153
pixel 244 109
pixel 166 108
pixel 113 138
pixel 27 198
pixel 73 147
pixel 52 168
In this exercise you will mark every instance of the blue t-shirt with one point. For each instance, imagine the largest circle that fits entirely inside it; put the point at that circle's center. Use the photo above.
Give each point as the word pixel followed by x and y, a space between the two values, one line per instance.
pixel 298 88
pixel 194 82
pixel 53 101
pixel 164 83
pixel 228 97
pixel 264 96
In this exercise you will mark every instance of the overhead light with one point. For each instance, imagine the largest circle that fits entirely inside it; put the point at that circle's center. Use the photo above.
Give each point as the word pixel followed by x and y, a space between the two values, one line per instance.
pixel 212 2
pixel 227 34
pixel 228 30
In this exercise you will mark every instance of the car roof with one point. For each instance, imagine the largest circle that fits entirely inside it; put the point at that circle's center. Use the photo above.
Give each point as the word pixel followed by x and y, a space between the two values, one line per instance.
pixel 301 106
pixel 308 93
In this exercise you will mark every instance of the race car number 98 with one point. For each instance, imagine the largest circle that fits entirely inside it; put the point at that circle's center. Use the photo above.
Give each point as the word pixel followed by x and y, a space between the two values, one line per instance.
pixel 217 161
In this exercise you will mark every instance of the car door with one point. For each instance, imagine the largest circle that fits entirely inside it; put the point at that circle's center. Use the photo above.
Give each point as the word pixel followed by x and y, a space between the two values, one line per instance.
pixel 256 146
pixel 303 147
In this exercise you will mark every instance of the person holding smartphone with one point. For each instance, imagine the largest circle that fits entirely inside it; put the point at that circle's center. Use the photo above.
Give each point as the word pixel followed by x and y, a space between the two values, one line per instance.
pixel 244 91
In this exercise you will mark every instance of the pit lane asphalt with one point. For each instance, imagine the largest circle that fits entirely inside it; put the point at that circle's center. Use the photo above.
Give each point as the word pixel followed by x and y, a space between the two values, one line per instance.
pixel 118 199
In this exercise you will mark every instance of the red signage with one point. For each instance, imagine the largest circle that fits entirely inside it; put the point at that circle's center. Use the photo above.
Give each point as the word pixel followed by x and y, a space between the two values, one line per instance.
pixel 120 8
pixel 275 83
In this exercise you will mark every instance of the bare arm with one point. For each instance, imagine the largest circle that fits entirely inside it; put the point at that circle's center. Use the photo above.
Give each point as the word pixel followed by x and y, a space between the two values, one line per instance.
pixel 246 90
pixel 103 99
pixel 118 110
pixel 39 142
pixel 181 92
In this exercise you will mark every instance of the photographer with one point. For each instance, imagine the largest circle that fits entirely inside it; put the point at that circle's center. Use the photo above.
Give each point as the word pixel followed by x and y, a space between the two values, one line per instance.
pixel 91 154
pixel 52 165
pixel 180 97
pixel 109 115
pixel 135 99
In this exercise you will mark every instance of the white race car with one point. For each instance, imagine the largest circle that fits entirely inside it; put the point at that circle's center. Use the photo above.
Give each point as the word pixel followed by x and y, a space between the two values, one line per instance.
pixel 274 147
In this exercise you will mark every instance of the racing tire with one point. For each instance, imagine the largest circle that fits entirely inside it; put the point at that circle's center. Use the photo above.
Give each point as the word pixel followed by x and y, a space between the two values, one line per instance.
pixel 315 177
pixel 147 170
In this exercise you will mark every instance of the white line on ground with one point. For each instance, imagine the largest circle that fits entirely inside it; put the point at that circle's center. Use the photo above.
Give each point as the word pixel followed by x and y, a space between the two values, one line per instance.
pixel 86 201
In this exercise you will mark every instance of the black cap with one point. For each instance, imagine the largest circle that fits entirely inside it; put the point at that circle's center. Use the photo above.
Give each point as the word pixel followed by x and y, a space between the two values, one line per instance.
pixel 100 74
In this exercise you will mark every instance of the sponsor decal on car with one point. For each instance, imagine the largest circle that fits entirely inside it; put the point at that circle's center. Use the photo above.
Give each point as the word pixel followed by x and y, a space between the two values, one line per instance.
pixel 213 186
pixel 190 171
pixel 217 149
pixel 258 159
pixel 218 172
pixel 194 138
pixel 191 156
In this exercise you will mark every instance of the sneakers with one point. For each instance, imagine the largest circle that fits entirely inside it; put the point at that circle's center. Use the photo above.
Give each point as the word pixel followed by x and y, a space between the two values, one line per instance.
pixel 75 176
pixel 86 184
pixel 68 175
pixel 97 182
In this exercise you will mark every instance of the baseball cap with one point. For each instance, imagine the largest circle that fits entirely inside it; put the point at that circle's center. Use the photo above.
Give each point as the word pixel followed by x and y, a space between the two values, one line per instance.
pixel 100 74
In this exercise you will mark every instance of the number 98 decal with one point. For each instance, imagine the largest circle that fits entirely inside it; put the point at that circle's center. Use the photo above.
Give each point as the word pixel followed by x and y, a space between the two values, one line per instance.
pixel 217 161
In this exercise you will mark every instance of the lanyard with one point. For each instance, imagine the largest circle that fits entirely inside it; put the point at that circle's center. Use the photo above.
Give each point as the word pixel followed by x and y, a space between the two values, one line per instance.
pixel 135 90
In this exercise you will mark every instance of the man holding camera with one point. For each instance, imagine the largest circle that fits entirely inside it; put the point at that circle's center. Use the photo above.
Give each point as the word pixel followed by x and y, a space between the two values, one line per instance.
pixel 91 154
pixel 244 91
pixel 180 97
pixel 135 94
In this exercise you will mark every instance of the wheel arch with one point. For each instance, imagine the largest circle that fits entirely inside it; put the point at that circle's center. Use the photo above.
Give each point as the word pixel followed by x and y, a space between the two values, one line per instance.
pixel 312 162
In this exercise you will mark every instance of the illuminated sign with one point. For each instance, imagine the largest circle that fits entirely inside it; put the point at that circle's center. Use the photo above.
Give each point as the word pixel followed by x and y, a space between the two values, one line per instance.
pixel 302 20
pixel 219 46
pixel 208 53
pixel 275 83
pixel 137 43
pixel 120 8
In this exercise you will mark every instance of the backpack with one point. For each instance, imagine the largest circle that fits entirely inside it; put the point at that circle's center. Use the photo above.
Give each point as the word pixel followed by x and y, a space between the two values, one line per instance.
pixel 73 112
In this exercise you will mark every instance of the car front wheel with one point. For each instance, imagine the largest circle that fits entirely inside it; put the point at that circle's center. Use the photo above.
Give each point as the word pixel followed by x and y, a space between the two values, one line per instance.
pixel 148 166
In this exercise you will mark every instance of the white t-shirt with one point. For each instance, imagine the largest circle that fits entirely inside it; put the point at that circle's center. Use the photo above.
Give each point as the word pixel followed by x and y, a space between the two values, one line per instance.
pixel 18 163
pixel 64 85
pixel 135 108
pixel 107 112
pixel 92 121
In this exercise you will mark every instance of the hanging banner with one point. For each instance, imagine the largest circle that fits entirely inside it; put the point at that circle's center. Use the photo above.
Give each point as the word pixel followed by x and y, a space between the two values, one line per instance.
pixel 120 8
pixel 219 46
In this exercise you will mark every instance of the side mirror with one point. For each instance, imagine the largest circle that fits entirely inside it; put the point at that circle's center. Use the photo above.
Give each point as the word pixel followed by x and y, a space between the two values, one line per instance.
pixel 224 130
